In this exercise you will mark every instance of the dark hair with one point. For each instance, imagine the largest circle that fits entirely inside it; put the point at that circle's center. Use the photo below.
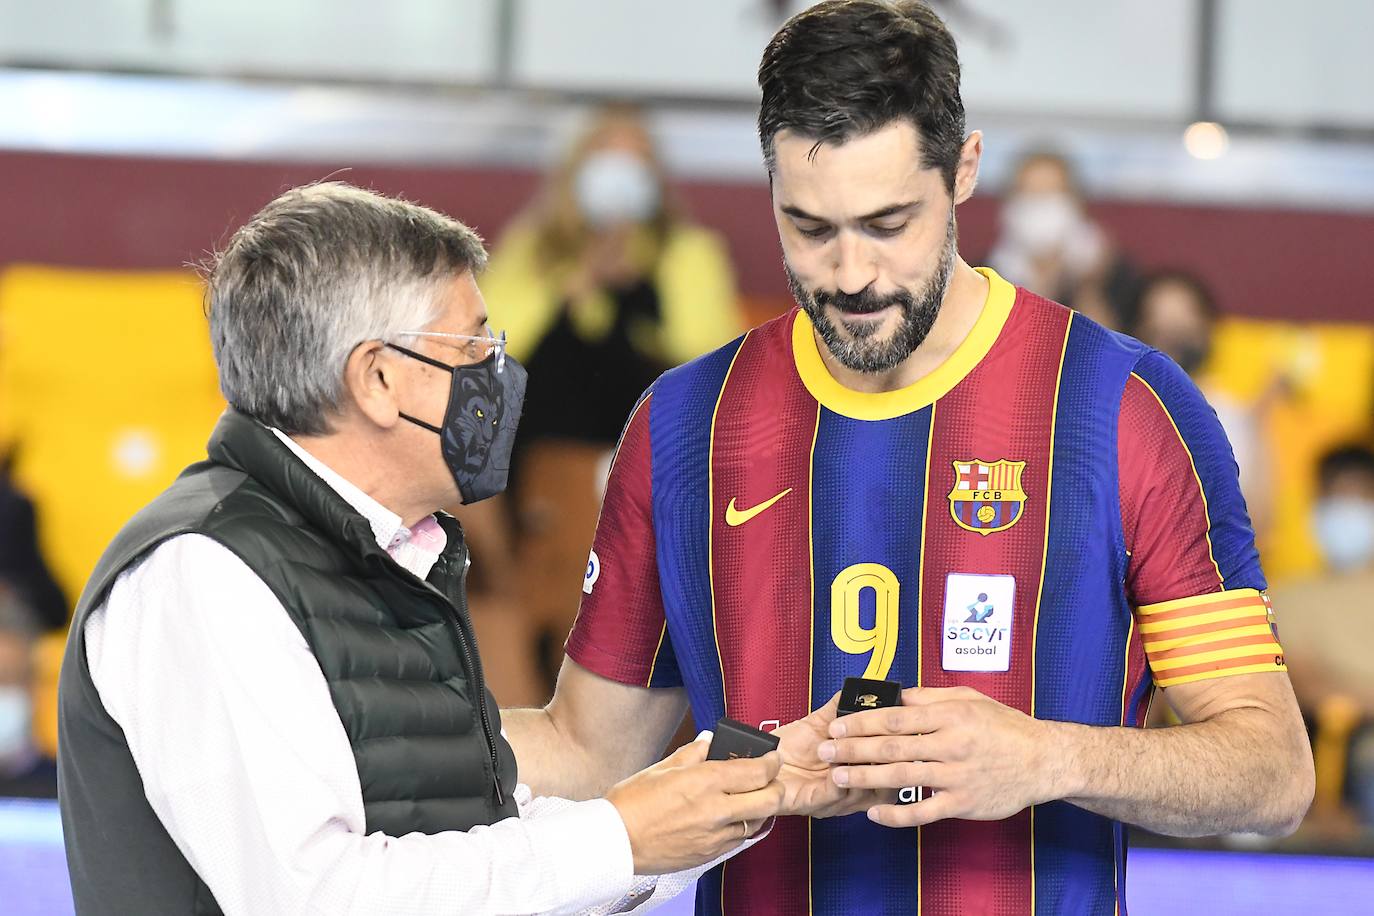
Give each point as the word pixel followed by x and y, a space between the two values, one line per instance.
pixel 1195 285
pixel 845 68
pixel 1344 459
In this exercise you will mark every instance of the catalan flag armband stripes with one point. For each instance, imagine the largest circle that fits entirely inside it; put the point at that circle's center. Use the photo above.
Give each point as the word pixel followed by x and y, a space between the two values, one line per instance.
pixel 1216 635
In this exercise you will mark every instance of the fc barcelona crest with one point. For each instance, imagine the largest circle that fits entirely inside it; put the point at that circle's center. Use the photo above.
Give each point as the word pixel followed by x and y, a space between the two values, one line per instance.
pixel 987 495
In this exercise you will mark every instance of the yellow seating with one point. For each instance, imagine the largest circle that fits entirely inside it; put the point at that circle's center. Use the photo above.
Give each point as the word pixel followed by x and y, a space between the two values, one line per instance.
pixel 107 390
pixel 1329 400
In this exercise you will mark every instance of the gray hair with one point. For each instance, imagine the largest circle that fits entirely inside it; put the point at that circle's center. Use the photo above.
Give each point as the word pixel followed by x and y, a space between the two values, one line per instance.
pixel 313 274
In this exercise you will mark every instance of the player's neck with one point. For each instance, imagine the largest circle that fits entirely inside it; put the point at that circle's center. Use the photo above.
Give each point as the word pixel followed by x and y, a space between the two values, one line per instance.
pixel 964 301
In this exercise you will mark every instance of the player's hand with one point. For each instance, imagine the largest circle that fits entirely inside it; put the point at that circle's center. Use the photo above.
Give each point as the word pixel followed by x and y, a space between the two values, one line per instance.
pixel 686 810
pixel 984 761
pixel 806 777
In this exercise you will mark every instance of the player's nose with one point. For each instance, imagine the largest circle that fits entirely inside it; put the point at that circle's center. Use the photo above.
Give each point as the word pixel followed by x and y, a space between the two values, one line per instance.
pixel 855 265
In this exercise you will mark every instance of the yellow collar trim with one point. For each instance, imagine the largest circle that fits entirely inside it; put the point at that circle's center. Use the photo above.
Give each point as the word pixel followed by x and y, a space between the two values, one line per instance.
pixel 884 405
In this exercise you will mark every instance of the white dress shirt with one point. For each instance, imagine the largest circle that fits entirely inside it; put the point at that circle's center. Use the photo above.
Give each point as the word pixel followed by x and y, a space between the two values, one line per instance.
pixel 247 765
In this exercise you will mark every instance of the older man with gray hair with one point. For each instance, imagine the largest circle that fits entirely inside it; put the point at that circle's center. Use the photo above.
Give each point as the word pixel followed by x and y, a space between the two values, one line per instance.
pixel 272 700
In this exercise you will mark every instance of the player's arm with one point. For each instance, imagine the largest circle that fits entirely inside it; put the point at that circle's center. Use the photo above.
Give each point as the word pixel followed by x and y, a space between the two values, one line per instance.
pixel 592 734
pixel 618 699
pixel 1215 655
pixel 1239 761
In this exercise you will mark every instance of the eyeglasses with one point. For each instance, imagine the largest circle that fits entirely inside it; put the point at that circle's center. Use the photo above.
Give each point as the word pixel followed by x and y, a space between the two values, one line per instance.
pixel 475 348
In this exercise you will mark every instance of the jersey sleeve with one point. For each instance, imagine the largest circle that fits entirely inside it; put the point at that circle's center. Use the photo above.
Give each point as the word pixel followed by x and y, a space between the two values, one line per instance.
pixel 1193 575
pixel 621 632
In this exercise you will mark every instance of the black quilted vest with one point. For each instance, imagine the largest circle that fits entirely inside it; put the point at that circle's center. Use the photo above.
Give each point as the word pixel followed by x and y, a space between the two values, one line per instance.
pixel 398 654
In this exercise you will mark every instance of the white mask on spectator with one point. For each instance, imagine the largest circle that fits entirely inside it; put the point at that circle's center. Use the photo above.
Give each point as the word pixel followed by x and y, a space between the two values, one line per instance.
pixel 15 721
pixel 615 187
pixel 1040 224
pixel 1345 532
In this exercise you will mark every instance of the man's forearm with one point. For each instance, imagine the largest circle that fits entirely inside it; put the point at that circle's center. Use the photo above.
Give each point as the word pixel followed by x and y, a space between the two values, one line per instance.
pixel 1222 775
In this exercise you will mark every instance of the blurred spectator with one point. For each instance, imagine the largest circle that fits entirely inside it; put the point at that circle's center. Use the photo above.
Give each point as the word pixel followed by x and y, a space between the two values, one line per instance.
pixel 24 771
pixel 1176 312
pixel 1323 616
pixel 22 568
pixel 1343 519
pixel 1328 622
pixel 1048 244
pixel 602 284
pixel 603 281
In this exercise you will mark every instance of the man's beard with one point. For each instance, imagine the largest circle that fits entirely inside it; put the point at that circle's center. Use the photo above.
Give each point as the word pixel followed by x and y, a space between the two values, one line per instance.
pixel 859 351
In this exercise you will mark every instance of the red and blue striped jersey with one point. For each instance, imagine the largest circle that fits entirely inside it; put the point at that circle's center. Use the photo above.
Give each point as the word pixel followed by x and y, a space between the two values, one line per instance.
pixel 1051 517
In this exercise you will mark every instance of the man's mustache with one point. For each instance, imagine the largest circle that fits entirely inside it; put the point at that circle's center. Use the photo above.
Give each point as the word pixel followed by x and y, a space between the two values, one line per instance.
pixel 864 302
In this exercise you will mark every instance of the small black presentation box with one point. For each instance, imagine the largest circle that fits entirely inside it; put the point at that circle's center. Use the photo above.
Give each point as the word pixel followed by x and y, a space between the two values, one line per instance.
pixel 861 693
pixel 735 739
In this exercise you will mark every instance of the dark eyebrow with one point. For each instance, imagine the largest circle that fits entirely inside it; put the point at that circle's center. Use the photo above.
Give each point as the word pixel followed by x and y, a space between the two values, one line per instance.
pixel 889 211
pixel 798 213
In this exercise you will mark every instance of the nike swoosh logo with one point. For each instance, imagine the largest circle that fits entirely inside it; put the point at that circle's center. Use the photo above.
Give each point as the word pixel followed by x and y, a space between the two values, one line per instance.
pixel 736 517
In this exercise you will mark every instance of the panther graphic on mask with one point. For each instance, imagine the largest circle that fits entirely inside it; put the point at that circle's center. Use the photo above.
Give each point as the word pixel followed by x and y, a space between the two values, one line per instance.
pixel 470 437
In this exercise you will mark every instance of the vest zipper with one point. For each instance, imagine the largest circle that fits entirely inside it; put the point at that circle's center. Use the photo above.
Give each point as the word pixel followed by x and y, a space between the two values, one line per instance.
pixel 480 685
pixel 463 638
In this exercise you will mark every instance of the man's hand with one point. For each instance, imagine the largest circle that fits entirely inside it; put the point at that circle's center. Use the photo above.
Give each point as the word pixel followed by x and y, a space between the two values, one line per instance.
pixel 984 760
pixel 686 810
pixel 806 777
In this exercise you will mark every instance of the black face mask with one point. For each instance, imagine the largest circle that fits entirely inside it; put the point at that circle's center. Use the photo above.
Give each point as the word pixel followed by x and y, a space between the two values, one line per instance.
pixel 483 412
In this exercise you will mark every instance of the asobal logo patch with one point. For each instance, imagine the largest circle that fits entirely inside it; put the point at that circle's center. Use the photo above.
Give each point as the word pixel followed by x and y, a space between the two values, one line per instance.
pixel 977 633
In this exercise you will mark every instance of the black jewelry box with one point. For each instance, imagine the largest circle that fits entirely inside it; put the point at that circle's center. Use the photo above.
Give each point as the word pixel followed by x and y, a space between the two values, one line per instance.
pixel 861 694
pixel 735 739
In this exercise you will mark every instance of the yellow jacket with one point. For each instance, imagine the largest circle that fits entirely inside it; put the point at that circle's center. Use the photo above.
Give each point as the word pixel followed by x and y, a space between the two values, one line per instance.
pixel 693 279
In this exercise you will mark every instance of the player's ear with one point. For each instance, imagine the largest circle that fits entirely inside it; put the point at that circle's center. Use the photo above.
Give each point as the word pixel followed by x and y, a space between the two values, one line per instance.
pixel 966 174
